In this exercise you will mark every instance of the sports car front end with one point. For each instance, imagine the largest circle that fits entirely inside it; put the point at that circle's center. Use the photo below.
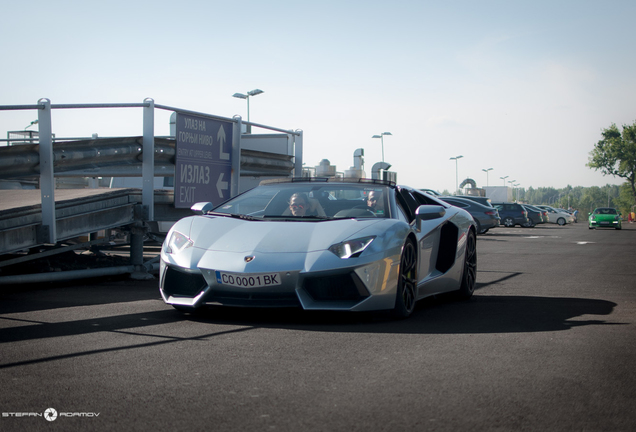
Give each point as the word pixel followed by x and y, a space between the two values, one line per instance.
pixel 604 218
pixel 343 264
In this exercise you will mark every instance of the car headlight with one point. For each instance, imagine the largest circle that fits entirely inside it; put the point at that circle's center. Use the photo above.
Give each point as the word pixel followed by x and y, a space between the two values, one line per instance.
pixel 351 248
pixel 177 243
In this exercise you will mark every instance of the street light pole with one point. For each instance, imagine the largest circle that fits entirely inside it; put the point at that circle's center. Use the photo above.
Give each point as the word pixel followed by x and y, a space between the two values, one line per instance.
pixel 513 188
pixel 381 136
pixel 247 97
pixel 516 189
pixel 486 171
pixel 504 180
pixel 456 158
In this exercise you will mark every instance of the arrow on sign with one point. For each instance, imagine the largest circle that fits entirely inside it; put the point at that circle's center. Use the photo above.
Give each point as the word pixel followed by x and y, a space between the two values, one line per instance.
pixel 221 138
pixel 221 185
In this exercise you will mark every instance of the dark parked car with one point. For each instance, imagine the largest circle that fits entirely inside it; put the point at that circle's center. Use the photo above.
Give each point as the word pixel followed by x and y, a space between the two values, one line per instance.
pixel 481 200
pixel 512 214
pixel 486 217
pixel 535 215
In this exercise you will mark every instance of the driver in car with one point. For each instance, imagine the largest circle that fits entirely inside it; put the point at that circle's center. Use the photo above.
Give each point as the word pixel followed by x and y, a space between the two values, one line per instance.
pixel 375 202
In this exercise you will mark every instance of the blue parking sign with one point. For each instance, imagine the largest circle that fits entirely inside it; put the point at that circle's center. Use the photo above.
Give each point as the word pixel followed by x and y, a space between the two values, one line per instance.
pixel 203 165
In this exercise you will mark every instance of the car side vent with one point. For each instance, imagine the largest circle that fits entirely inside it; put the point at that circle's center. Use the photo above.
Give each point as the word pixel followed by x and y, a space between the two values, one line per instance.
pixel 447 248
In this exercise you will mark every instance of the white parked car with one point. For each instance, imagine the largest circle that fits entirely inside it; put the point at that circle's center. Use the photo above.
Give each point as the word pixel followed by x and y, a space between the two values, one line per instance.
pixel 557 216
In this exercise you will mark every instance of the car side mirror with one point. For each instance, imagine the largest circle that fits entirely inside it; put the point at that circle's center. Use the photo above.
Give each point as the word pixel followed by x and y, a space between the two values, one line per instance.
pixel 428 212
pixel 202 207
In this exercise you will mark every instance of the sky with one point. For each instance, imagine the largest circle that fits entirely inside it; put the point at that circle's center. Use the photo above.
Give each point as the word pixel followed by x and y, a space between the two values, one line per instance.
pixel 524 88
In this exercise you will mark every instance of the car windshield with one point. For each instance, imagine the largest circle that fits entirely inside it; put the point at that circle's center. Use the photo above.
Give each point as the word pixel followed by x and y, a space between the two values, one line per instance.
pixel 310 201
pixel 605 211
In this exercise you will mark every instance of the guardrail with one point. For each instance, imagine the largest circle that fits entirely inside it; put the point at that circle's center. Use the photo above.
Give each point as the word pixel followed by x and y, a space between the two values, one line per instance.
pixel 46 153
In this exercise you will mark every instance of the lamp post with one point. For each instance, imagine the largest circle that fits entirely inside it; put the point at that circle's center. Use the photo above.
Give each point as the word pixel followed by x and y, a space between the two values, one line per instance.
pixel 381 136
pixel 247 96
pixel 516 189
pixel 513 188
pixel 456 158
pixel 486 171
pixel 504 180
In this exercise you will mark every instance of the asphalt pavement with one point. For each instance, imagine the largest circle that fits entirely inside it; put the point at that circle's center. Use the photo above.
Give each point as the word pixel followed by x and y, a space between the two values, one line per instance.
pixel 548 343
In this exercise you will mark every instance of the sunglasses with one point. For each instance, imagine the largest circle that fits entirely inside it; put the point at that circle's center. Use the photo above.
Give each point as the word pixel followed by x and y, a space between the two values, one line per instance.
pixel 297 206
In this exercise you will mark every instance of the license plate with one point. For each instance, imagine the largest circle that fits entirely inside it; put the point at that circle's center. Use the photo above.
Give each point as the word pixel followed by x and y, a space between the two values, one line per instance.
pixel 248 280
pixel 605 223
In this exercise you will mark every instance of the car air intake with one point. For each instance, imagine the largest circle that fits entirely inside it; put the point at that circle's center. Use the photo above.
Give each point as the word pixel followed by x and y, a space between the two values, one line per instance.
pixel 343 287
pixel 181 284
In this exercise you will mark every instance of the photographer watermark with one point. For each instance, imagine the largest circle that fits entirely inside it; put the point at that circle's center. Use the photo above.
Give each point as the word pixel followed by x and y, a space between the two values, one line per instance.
pixel 51 414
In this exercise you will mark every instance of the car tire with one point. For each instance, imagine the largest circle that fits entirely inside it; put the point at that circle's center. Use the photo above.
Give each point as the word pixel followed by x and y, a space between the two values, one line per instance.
pixel 530 223
pixel 561 221
pixel 509 222
pixel 469 275
pixel 407 282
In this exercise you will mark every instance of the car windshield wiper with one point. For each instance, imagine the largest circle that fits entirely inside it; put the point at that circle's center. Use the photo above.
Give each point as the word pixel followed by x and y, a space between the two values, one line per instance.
pixel 234 215
pixel 298 218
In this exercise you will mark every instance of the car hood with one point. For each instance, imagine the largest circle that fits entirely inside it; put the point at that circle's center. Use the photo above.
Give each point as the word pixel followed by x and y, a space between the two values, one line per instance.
pixel 229 234
pixel 604 217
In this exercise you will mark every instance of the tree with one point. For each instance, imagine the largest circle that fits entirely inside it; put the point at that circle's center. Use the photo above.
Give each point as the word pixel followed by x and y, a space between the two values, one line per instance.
pixel 615 154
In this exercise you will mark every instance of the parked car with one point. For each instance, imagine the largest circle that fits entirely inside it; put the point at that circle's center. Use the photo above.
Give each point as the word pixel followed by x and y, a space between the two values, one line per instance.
pixel 431 192
pixel 481 200
pixel 544 213
pixel 320 244
pixel 511 214
pixel 486 217
pixel 535 215
pixel 605 217
pixel 557 216
pixel 573 212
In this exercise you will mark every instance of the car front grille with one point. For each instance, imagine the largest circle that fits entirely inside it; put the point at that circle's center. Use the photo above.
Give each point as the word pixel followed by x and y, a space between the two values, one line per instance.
pixel 180 284
pixel 252 299
pixel 344 287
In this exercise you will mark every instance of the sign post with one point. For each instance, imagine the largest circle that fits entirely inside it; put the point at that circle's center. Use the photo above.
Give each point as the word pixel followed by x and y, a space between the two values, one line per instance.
pixel 203 165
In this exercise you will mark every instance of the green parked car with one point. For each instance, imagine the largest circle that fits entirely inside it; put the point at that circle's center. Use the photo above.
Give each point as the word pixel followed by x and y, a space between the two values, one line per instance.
pixel 605 217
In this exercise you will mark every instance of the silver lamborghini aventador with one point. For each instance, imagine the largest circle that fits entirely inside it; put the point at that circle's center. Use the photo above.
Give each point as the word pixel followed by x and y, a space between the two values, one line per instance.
pixel 320 244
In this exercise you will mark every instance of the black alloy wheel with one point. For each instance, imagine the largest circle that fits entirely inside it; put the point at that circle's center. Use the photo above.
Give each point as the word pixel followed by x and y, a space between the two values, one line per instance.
pixel 407 282
pixel 469 276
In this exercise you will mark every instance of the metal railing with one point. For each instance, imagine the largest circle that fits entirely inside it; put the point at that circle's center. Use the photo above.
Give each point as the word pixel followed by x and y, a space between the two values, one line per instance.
pixel 46 153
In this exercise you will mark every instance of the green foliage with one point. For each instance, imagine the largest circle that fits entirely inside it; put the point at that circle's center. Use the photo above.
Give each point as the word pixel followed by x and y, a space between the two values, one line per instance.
pixel 615 155
pixel 582 198
pixel 625 200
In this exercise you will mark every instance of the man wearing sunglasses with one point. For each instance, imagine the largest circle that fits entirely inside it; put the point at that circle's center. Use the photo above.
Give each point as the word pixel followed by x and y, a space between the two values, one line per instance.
pixel 301 205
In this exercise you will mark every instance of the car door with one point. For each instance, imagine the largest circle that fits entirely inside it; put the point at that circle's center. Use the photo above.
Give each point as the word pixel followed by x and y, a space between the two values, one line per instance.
pixel 428 238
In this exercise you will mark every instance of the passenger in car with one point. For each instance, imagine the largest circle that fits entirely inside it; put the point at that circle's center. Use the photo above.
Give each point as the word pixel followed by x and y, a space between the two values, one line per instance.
pixel 301 205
